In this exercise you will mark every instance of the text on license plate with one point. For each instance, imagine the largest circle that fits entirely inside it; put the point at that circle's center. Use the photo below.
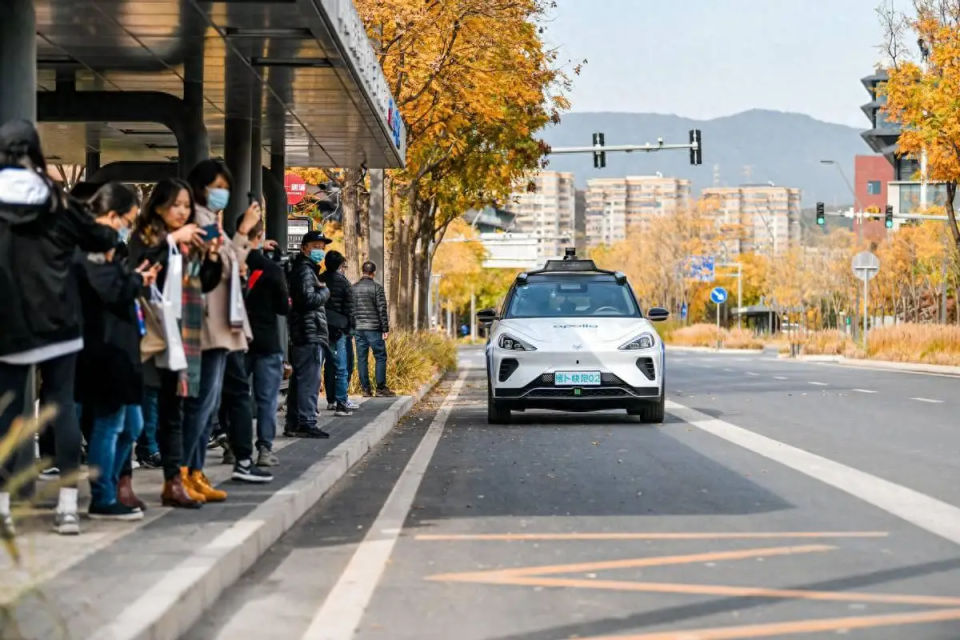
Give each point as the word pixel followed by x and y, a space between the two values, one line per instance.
pixel 572 378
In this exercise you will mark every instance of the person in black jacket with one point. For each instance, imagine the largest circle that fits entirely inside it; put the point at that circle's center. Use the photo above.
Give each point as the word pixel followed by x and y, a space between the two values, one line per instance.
pixel 373 325
pixel 40 325
pixel 309 337
pixel 109 372
pixel 267 300
pixel 341 322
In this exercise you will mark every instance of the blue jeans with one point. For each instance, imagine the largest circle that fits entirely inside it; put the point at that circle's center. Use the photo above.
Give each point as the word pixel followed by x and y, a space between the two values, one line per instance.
pixel 372 341
pixel 198 411
pixel 304 390
pixel 147 444
pixel 337 375
pixel 267 374
pixel 110 446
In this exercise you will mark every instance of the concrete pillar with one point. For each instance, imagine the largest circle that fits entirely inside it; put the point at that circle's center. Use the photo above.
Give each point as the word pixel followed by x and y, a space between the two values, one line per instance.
pixel 277 198
pixel 92 161
pixel 256 143
pixel 238 133
pixel 18 60
pixel 197 144
pixel 377 222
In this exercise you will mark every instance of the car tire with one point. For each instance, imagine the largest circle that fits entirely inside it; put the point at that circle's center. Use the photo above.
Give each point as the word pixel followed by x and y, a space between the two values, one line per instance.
pixel 496 412
pixel 650 412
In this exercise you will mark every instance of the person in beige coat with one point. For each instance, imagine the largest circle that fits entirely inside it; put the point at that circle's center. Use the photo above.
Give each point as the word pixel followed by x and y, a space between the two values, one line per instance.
pixel 224 329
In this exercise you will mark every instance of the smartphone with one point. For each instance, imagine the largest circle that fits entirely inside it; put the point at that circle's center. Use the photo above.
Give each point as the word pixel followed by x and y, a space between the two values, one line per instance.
pixel 212 231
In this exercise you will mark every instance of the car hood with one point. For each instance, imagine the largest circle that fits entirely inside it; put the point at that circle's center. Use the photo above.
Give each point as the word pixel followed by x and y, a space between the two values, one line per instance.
pixel 575 331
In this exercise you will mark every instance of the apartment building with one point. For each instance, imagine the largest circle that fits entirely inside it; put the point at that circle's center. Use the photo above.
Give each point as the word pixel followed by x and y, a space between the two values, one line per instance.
pixel 756 218
pixel 616 206
pixel 548 212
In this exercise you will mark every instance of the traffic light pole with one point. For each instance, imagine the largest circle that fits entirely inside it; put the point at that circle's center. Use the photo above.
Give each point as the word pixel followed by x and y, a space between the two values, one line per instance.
pixel 600 150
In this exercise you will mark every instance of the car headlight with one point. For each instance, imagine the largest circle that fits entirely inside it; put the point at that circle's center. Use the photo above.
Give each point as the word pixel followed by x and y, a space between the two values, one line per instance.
pixel 513 344
pixel 643 341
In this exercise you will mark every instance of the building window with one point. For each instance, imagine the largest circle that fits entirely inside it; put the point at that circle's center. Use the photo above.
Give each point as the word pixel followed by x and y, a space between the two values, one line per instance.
pixel 874 188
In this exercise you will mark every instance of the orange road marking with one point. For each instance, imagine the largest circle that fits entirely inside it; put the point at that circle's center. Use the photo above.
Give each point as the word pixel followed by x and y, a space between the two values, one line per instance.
pixel 516 537
pixel 798 627
pixel 632 563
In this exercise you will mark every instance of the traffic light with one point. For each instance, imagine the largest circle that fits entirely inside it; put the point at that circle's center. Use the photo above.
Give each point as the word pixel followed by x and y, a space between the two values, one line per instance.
pixel 888 217
pixel 696 153
pixel 599 157
pixel 821 215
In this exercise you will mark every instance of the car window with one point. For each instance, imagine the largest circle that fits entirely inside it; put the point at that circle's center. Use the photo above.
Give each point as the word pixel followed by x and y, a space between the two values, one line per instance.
pixel 571 298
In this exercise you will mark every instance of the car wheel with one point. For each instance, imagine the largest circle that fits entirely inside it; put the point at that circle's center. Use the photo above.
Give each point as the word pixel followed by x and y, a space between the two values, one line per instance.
pixel 496 412
pixel 650 412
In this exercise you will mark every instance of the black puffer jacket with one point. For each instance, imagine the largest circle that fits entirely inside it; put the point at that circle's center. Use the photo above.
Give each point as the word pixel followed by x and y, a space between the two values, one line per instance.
pixel 40 229
pixel 340 306
pixel 307 320
pixel 371 306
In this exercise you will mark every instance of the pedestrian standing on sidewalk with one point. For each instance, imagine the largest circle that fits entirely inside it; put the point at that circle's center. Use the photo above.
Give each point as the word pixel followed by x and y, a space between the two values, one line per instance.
pixel 309 337
pixel 373 325
pixel 40 229
pixel 109 383
pixel 169 219
pixel 341 321
pixel 267 300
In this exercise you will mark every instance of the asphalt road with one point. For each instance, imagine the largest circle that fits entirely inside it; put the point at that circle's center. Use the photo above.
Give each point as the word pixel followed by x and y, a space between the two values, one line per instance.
pixel 778 500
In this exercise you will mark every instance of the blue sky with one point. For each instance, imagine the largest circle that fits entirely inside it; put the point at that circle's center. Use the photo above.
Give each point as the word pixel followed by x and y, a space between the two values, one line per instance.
pixel 710 58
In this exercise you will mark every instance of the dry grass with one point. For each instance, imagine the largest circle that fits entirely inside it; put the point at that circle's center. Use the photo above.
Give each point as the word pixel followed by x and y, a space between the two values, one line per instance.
pixel 412 358
pixel 918 343
pixel 705 335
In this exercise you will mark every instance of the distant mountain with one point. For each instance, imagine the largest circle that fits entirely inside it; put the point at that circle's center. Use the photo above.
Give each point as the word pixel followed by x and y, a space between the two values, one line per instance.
pixel 783 148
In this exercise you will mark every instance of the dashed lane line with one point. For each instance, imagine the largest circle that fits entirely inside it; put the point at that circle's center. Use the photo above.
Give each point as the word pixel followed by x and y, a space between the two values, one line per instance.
pixel 780 378
pixel 863 390
pixel 928 400
pixel 819 384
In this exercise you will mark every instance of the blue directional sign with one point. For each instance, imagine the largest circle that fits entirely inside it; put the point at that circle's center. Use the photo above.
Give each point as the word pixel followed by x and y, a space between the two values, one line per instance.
pixel 683 311
pixel 718 295
pixel 701 268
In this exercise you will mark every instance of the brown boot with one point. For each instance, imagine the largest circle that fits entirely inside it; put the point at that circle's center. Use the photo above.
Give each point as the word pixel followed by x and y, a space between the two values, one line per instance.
pixel 201 485
pixel 126 495
pixel 188 485
pixel 175 495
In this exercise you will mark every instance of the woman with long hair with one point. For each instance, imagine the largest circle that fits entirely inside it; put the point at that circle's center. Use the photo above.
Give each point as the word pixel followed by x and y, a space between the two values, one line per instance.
pixel 40 326
pixel 169 220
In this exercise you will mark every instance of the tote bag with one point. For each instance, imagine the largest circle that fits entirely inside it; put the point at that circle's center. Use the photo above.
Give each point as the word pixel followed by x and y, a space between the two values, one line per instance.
pixel 238 311
pixel 173 288
pixel 153 343
pixel 174 358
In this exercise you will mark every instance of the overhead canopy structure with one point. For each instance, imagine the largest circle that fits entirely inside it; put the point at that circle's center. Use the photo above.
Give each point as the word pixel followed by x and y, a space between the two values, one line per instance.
pixel 305 67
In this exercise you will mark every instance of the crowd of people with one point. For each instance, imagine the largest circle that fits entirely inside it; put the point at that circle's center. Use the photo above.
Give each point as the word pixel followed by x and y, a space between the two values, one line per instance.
pixel 156 336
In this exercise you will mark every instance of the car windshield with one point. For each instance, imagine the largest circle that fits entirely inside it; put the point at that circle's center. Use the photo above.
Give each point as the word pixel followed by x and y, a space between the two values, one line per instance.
pixel 570 299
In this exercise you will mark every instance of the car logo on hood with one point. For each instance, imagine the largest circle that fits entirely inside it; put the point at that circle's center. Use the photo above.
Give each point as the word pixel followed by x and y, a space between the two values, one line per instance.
pixel 577 347
pixel 574 326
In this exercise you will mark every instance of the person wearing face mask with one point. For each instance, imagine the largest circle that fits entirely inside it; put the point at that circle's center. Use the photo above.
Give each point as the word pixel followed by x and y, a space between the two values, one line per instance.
pixel 210 182
pixel 309 337
pixel 109 382
pixel 40 323
pixel 341 321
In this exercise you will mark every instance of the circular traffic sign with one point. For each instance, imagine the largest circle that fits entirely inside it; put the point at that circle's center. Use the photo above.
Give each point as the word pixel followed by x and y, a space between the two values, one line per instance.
pixel 295 187
pixel 718 295
pixel 865 265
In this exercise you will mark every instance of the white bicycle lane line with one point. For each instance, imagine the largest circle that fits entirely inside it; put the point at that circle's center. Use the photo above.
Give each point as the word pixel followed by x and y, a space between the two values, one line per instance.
pixel 342 611
pixel 930 514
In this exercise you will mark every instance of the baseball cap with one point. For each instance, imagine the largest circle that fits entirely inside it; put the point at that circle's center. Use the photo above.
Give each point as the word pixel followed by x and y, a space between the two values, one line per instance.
pixel 314 236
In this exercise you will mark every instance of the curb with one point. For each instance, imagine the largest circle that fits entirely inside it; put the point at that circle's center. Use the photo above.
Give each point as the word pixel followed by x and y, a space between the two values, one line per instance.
pixel 882 365
pixel 712 350
pixel 178 600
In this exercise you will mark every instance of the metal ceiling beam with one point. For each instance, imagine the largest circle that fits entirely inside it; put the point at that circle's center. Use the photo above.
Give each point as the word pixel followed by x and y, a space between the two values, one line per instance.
pixel 135 172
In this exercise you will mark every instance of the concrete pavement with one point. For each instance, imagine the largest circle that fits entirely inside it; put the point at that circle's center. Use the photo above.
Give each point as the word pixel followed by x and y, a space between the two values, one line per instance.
pixel 778 499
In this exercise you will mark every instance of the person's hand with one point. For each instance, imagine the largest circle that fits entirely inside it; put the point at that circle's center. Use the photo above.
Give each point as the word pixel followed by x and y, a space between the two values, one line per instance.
pixel 250 217
pixel 190 234
pixel 109 255
pixel 270 245
pixel 213 248
pixel 149 273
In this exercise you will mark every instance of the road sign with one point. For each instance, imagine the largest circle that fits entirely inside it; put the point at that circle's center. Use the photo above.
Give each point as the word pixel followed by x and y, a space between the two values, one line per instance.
pixel 718 295
pixel 295 187
pixel 702 268
pixel 296 229
pixel 865 265
pixel 683 311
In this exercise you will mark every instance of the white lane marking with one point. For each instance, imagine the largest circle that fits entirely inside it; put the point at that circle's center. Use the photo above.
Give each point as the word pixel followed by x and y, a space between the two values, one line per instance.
pixel 919 509
pixel 342 611
pixel 729 370
pixel 751 373
pixel 930 400
pixel 780 378
pixel 863 390
pixel 819 384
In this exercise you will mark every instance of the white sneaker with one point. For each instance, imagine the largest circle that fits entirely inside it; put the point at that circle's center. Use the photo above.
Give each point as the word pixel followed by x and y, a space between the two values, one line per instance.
pixel 353 406
pixel 67 523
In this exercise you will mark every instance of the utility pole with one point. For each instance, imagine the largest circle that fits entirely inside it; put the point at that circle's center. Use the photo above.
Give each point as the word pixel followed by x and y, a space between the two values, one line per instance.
pixel 599 149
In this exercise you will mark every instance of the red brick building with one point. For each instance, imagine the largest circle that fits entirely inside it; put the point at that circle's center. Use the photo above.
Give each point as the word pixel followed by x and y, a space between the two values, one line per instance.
pixel 871 175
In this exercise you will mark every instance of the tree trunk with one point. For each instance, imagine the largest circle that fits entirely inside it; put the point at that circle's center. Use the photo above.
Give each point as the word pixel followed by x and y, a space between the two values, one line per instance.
pixel 364 207
pixel 351 245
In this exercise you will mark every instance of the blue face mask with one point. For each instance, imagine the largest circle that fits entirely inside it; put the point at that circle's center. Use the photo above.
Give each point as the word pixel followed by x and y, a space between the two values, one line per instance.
pixel 217 199
pixel 124 234
pixel 316 255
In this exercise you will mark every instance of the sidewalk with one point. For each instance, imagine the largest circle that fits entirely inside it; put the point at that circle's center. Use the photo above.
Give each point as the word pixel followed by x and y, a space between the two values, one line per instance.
pixel 153 579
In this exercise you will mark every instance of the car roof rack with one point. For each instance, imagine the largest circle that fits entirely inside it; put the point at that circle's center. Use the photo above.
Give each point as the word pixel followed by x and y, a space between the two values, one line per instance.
pixel 571 264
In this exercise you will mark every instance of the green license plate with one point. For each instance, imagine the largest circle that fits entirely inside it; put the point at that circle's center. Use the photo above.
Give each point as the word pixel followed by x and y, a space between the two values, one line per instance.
pixel 577 378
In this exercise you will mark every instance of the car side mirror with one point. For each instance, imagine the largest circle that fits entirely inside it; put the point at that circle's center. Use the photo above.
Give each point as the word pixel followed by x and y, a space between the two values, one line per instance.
pixel 657 314
pixel 486 317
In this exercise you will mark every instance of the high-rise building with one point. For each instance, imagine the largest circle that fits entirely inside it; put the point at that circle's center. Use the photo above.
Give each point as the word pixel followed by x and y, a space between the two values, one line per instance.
pixel 755 218
pixel 547 212
pixel 615 206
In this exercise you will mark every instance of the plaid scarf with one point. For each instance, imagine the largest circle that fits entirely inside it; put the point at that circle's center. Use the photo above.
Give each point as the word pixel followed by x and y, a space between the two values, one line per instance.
pixel 191 324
